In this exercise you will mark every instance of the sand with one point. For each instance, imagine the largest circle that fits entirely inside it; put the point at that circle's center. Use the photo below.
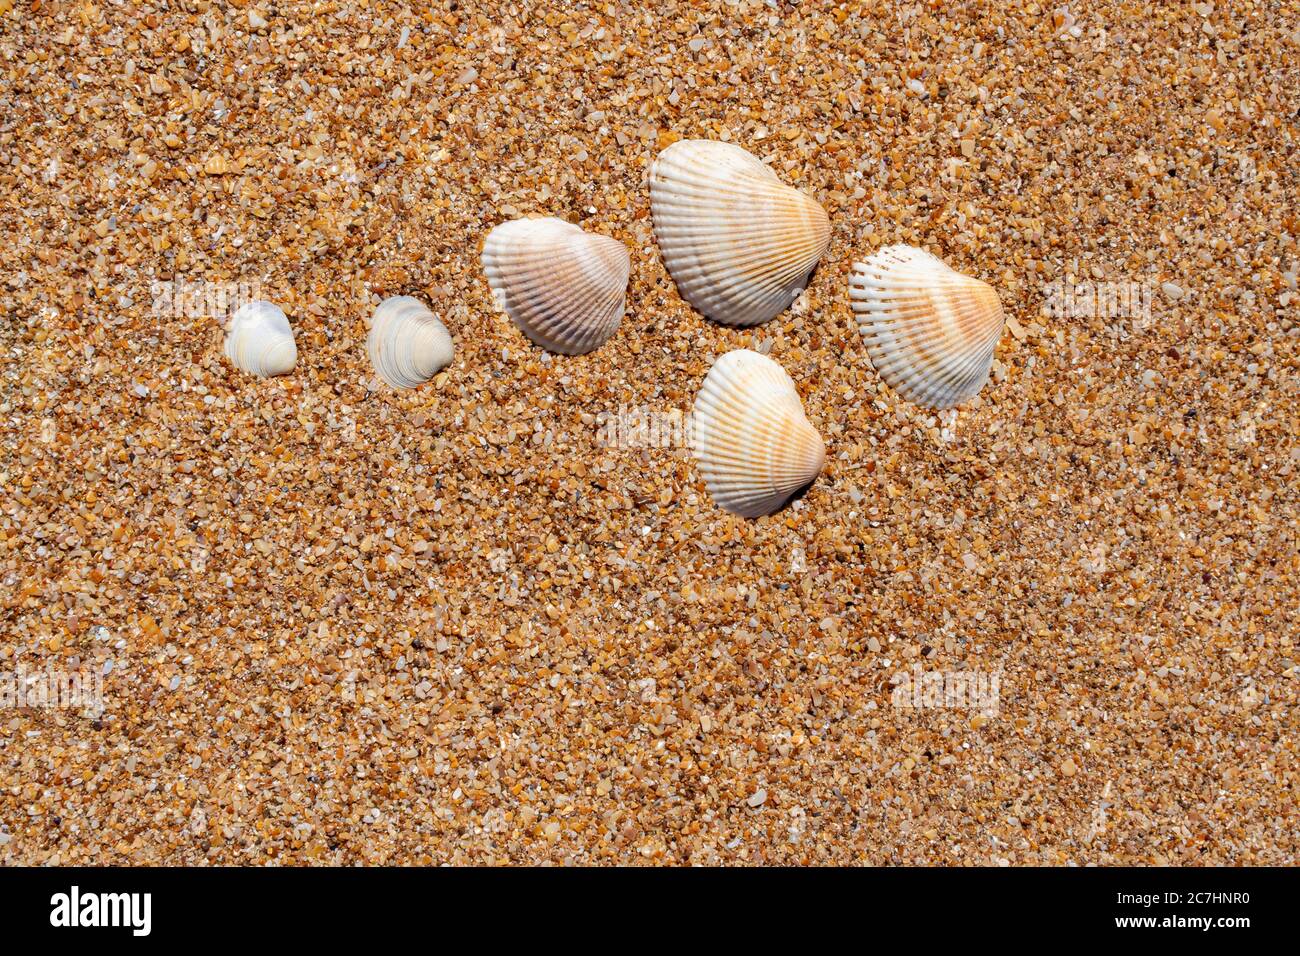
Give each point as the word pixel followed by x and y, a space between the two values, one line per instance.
pixel 339 624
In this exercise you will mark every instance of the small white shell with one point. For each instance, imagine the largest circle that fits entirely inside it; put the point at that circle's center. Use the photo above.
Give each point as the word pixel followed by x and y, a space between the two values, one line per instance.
pixel 739 243
pixel 565 288
pixel 930 331
pixel 750 437
pixel 406 343
pixel 259 340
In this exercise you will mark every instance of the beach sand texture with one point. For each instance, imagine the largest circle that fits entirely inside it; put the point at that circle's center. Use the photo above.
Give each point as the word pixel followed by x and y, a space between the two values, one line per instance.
pixel 480 621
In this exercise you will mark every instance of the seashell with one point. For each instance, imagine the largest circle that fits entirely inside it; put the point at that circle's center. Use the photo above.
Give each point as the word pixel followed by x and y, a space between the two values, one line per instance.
pixel 739 243
pixel 259 340
pixel 406 342
pixel 565 288
pixel 754 446
pixel 930 330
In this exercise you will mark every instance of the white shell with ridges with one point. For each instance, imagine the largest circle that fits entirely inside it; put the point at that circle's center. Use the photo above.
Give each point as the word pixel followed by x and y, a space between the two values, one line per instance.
pixel 406 343
pixel 749 435
pixel 259 340
pixel 930 331
pixel 739 243
pixel 564 288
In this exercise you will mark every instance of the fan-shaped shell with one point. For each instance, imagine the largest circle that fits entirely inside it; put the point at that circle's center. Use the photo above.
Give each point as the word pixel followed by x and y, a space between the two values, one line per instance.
pixel 565 288
pixel 259 340
pixel 750 437
pixel 406 343
pixel 739 243
pixel 930 331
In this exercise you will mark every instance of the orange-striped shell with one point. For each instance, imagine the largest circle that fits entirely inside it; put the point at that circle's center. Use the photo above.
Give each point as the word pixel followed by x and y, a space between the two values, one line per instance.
pixel 930 331
pixel 739 243
pixel 751 440
pixel 565 288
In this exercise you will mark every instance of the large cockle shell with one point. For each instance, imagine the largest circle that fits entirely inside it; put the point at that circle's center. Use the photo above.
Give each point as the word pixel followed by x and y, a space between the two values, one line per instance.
pixel 739 243
pixel 406 343
pixel 259 340
pixel 930 331
pixel 565 288
pixel 751 440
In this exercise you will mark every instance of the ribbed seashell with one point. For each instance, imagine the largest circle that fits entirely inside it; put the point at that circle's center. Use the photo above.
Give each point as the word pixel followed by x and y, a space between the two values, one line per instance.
pixel 259 340
pixel 565 288
pixel 406 343
pixel 739 243
pixel 751 440
pixel 930 330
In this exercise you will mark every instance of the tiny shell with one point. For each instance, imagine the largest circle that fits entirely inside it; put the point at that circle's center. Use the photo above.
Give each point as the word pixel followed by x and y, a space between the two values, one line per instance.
pixel 739 243
pixel 754 446
pixel 406 343
pixel 259 340
pixel 565 288
pixel 930 331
